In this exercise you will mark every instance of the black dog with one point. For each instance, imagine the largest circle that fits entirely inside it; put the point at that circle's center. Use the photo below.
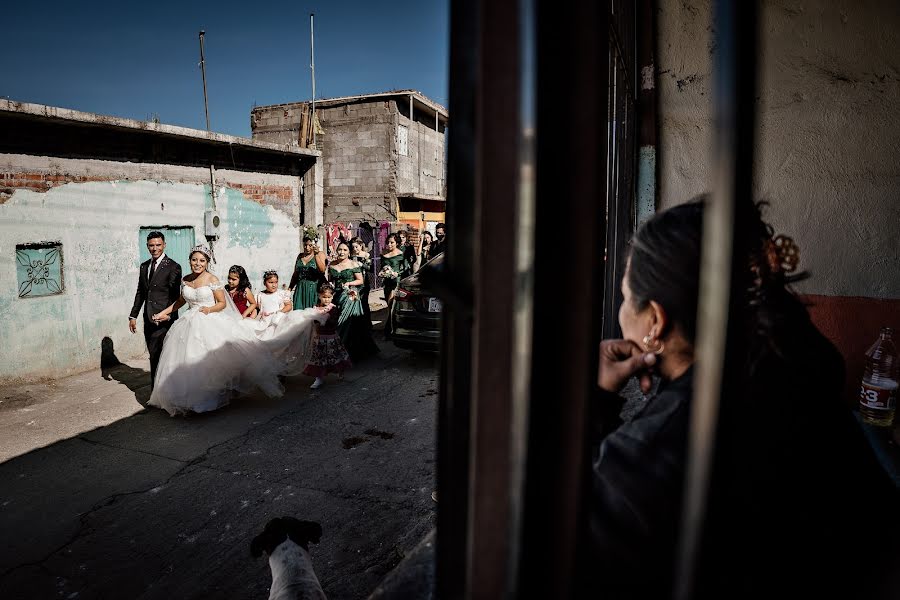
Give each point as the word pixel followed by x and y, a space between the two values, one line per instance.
pixel 286 541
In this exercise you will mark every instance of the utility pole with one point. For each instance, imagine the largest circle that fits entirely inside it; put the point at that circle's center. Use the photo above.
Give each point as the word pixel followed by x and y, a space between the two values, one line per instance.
pixel 312 66
pixel 203 71
pixel 212 217
pixel 212 172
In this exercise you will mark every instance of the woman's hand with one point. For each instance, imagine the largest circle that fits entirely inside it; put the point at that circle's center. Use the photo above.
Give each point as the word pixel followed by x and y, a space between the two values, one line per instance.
pixel 620 360
pixel 204 310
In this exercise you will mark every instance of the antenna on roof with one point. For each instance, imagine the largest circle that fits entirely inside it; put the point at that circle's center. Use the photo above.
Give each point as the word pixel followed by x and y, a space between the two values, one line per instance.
pixel 211 232
pixel 203 71
pixel 312 67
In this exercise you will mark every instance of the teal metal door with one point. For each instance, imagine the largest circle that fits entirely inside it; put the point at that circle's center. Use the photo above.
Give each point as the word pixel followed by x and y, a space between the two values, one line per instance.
pixel 179 241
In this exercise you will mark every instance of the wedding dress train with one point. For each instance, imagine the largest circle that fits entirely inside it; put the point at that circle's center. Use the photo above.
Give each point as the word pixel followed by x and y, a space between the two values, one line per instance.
pixel 207 358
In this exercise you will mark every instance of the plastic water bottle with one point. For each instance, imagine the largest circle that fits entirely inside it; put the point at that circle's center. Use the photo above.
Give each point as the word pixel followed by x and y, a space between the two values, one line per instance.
pixel 878 393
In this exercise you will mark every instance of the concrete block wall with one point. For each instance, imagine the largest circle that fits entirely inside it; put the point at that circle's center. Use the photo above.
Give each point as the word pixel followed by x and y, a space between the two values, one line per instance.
pixel 359 170
pixel 362 171
pixel 422 171
pixel 95 209
pixel 276 124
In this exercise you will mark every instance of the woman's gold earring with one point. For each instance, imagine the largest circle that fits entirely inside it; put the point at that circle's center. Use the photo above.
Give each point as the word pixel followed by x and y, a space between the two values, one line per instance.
pixel 660 346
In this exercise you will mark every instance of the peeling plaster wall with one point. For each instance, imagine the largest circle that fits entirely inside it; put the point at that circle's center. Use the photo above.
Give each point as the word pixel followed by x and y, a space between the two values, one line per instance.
pixel 829 131
pixel 97 223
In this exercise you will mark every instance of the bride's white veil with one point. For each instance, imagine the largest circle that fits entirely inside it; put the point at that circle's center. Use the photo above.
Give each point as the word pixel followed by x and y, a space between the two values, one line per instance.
pixel 231 310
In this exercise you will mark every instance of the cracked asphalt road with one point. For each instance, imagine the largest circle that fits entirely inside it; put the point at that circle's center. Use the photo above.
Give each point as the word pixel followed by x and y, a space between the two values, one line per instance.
pixel 101 499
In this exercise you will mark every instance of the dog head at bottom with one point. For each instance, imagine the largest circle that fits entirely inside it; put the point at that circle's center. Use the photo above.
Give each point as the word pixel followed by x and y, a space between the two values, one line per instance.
pixel 279 529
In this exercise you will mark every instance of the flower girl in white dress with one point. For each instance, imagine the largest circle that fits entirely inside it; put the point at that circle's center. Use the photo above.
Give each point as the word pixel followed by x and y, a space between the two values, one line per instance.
pixel 285 333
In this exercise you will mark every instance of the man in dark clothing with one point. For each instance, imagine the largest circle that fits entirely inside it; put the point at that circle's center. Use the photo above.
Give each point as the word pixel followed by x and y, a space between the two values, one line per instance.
pixel 438 246
pixel 159 285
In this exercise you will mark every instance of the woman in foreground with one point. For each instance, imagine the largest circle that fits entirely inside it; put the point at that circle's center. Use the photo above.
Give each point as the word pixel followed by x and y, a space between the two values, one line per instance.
pixel 795 485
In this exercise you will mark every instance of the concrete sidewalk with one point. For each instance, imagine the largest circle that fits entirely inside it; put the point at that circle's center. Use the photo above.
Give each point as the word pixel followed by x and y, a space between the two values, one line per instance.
pixel 101 498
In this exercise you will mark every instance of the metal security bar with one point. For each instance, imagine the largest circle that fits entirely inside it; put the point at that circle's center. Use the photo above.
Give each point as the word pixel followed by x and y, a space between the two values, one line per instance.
pixel 621 156
pixel 719 340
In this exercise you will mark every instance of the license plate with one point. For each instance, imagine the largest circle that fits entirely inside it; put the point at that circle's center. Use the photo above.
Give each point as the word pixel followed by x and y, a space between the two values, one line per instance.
pixel 434 305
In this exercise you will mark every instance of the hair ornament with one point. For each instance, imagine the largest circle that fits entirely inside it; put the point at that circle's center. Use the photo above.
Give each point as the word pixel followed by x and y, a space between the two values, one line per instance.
pixel 268 273
pixel 311 232
pixel 202 249
pixel 782 254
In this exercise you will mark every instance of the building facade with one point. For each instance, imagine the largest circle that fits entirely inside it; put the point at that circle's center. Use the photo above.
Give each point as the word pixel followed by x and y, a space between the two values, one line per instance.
pixel 383 155
pixel 78 194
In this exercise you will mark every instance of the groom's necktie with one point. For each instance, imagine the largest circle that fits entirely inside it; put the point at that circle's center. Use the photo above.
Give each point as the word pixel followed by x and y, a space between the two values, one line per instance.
pixel 152 270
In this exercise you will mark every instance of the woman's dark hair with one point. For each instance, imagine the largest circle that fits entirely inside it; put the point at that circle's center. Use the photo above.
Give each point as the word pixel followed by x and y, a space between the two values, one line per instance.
pixel 664 259
pixel 664 264
pixel 395 237
pixel 306 238
pixel 342 243
pixel 269 275
pixel 357 240
pixel 430 236
pixel 243 280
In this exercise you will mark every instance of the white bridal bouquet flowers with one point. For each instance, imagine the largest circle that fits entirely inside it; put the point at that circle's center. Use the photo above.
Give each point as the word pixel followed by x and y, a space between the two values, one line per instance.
pixel 388 273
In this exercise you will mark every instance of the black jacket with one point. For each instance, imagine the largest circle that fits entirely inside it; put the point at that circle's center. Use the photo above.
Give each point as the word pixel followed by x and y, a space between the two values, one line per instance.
pixel 798 505
pixel 158 294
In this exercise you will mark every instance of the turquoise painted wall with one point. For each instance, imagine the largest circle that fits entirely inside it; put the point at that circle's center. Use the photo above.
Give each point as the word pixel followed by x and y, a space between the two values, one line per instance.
pixel 250 225
pixel 99 226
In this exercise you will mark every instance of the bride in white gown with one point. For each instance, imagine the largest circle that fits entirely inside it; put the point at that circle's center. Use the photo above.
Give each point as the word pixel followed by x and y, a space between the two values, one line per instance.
pixel 210 353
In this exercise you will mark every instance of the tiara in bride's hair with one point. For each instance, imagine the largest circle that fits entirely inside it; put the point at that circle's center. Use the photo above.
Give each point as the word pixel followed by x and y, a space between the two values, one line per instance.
pixel 202 249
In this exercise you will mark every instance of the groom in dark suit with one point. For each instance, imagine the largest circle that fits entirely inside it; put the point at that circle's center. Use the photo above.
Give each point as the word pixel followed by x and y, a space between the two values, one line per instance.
pixel 159 285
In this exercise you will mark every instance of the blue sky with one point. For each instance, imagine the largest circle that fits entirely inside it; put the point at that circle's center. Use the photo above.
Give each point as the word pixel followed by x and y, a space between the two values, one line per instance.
pixel 137 60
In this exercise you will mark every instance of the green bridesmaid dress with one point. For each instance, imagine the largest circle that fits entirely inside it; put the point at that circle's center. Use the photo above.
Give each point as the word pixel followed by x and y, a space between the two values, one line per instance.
pixel 354 333
pixel 399 265
pixel 306 294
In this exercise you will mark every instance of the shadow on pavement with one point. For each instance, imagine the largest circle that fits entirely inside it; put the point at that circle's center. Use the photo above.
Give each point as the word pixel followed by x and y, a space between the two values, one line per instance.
pixel 136 380
pixel 163 507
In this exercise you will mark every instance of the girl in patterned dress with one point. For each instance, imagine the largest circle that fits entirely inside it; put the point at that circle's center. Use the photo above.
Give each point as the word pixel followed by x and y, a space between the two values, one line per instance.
pixel 328 354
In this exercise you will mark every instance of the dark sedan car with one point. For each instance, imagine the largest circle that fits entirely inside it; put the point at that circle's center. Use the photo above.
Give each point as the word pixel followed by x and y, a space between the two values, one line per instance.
pixel 416 312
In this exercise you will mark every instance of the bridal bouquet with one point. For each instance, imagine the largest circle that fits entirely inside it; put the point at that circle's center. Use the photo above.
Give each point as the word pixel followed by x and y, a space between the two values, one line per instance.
pixel 388 273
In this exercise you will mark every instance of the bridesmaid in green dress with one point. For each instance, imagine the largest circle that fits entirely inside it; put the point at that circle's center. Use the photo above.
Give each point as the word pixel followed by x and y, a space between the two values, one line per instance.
pixel 309 274
pixel 345 274
pixel 393 258
pixel 359 253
